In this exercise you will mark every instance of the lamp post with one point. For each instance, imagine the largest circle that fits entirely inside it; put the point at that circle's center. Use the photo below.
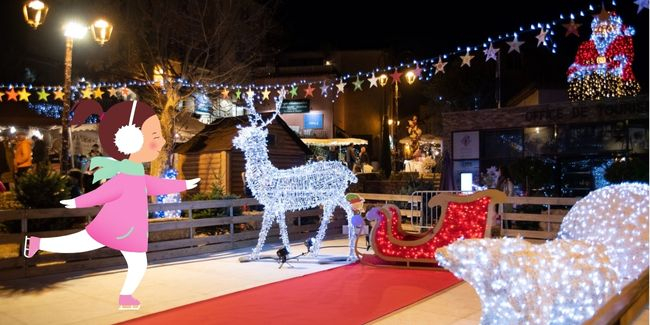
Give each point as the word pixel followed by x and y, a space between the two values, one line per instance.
pixel 35 12
pixel 71 31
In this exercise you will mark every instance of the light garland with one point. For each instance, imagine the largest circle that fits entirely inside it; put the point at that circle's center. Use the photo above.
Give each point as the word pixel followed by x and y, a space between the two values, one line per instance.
pixel 603 64
pixel 299 188
pixel 425 69
pixel 617 217
pixel 169 173
pixel 559 282
pixel 602 245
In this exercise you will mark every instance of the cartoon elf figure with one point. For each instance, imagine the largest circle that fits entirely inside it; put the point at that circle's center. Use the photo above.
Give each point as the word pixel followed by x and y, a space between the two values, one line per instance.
pixel 130 133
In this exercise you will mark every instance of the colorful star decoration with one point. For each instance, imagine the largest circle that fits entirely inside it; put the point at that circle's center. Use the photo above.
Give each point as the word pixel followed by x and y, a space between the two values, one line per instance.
pixel 323 89
pixel 112 92
pixel 58 94
pixel 1 94
pixel 12 95
pixel 265 94
pixel 24 95
pixel 357 84
pixel 643 4
pixel 395 76
pixel 42 94
pixel 467 59
pixel 491 53
pixel 224 93
pixel 294 91
pixel 572 28
pixel 440 66
pixel 340 87
pixel 373 80
pixel 309 91
pixel 86 93
pixel 250 93
pixel 418 71
pixel 238 94
pixel 515 44
pixel 98 93
pixel 541 37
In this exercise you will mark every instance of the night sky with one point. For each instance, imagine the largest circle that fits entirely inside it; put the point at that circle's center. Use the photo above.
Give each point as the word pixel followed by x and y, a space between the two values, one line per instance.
pixel 404 28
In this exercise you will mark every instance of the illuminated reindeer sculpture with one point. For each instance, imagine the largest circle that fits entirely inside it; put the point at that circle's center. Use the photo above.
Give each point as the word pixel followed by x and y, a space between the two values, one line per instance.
pixel 315 184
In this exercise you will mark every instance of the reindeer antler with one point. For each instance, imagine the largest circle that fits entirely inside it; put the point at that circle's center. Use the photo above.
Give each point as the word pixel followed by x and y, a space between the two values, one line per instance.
pixel 256 118
pixel 253 116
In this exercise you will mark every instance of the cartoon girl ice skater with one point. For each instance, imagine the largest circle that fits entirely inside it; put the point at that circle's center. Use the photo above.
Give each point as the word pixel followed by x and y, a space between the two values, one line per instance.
pixel 130 133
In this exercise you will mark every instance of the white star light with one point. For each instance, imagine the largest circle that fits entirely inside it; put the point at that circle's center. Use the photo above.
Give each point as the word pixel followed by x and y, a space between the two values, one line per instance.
pixel 440 66
pixel 490 53
pixel 340 87
pixel 515 44
pixel 373 80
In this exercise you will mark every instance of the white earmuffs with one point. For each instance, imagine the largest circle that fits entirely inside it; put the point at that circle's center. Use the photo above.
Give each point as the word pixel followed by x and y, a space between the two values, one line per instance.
pixel 129 138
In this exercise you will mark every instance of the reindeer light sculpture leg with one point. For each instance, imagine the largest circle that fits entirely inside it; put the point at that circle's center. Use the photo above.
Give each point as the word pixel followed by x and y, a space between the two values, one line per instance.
pixel 327 214
pixel 267 222
pixel 284 233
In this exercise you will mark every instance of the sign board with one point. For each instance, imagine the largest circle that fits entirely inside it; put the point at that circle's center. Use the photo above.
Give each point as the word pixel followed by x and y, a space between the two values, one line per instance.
pixel 466 145
pixel 294 106
pixel 313 121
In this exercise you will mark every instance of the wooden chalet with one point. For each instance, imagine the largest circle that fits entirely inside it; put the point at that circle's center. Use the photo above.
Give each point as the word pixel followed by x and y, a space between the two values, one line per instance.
pixel 211 155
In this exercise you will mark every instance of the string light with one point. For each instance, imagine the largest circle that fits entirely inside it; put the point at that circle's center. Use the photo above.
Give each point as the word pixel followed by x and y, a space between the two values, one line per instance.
pixel 602 245
pixel 315 184
pixel 427 65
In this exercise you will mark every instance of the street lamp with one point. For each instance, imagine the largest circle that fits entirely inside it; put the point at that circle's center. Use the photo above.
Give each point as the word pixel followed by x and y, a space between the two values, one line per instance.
pixel 34 12
pixel 101 31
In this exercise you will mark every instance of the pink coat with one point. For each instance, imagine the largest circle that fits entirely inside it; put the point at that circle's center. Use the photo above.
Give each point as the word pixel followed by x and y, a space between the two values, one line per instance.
pixel 122 222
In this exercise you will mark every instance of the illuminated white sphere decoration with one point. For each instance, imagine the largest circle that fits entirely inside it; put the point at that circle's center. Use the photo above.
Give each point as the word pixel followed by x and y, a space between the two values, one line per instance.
pixel 602 245
pixel 617 217
pixel 309 186
pixel 559 282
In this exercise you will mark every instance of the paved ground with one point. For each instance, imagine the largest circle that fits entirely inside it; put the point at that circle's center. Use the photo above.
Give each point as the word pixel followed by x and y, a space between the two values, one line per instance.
pixel 92 299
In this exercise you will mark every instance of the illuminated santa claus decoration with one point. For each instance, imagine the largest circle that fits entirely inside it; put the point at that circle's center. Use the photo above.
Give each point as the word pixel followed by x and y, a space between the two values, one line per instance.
pixel 603 64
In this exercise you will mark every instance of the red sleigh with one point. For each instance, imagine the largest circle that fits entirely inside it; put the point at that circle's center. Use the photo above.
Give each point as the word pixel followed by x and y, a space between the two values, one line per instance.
pixel 462 216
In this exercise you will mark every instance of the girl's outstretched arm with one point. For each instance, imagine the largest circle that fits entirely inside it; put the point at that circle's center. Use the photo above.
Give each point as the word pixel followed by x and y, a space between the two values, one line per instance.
pixel 158 186
pixel 107 192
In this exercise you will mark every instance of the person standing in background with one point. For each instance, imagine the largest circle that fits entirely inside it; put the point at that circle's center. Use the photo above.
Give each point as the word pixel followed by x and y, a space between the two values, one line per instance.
pixel 39 151
pixel 350 156
pixel 6 162
pixel 22 154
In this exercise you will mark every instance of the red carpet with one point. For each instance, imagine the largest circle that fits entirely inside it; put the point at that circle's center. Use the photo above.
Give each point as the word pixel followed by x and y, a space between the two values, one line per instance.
pixel 351 294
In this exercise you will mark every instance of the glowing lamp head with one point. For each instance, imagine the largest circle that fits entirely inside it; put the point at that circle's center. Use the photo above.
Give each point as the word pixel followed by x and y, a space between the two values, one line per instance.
pixel 101 30
pixel 410 77
pixel 383 79
pixel 74 30
pixel 35 12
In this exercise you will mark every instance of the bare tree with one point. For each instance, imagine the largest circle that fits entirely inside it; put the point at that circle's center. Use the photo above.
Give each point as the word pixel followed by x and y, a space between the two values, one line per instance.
pixel 196 45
